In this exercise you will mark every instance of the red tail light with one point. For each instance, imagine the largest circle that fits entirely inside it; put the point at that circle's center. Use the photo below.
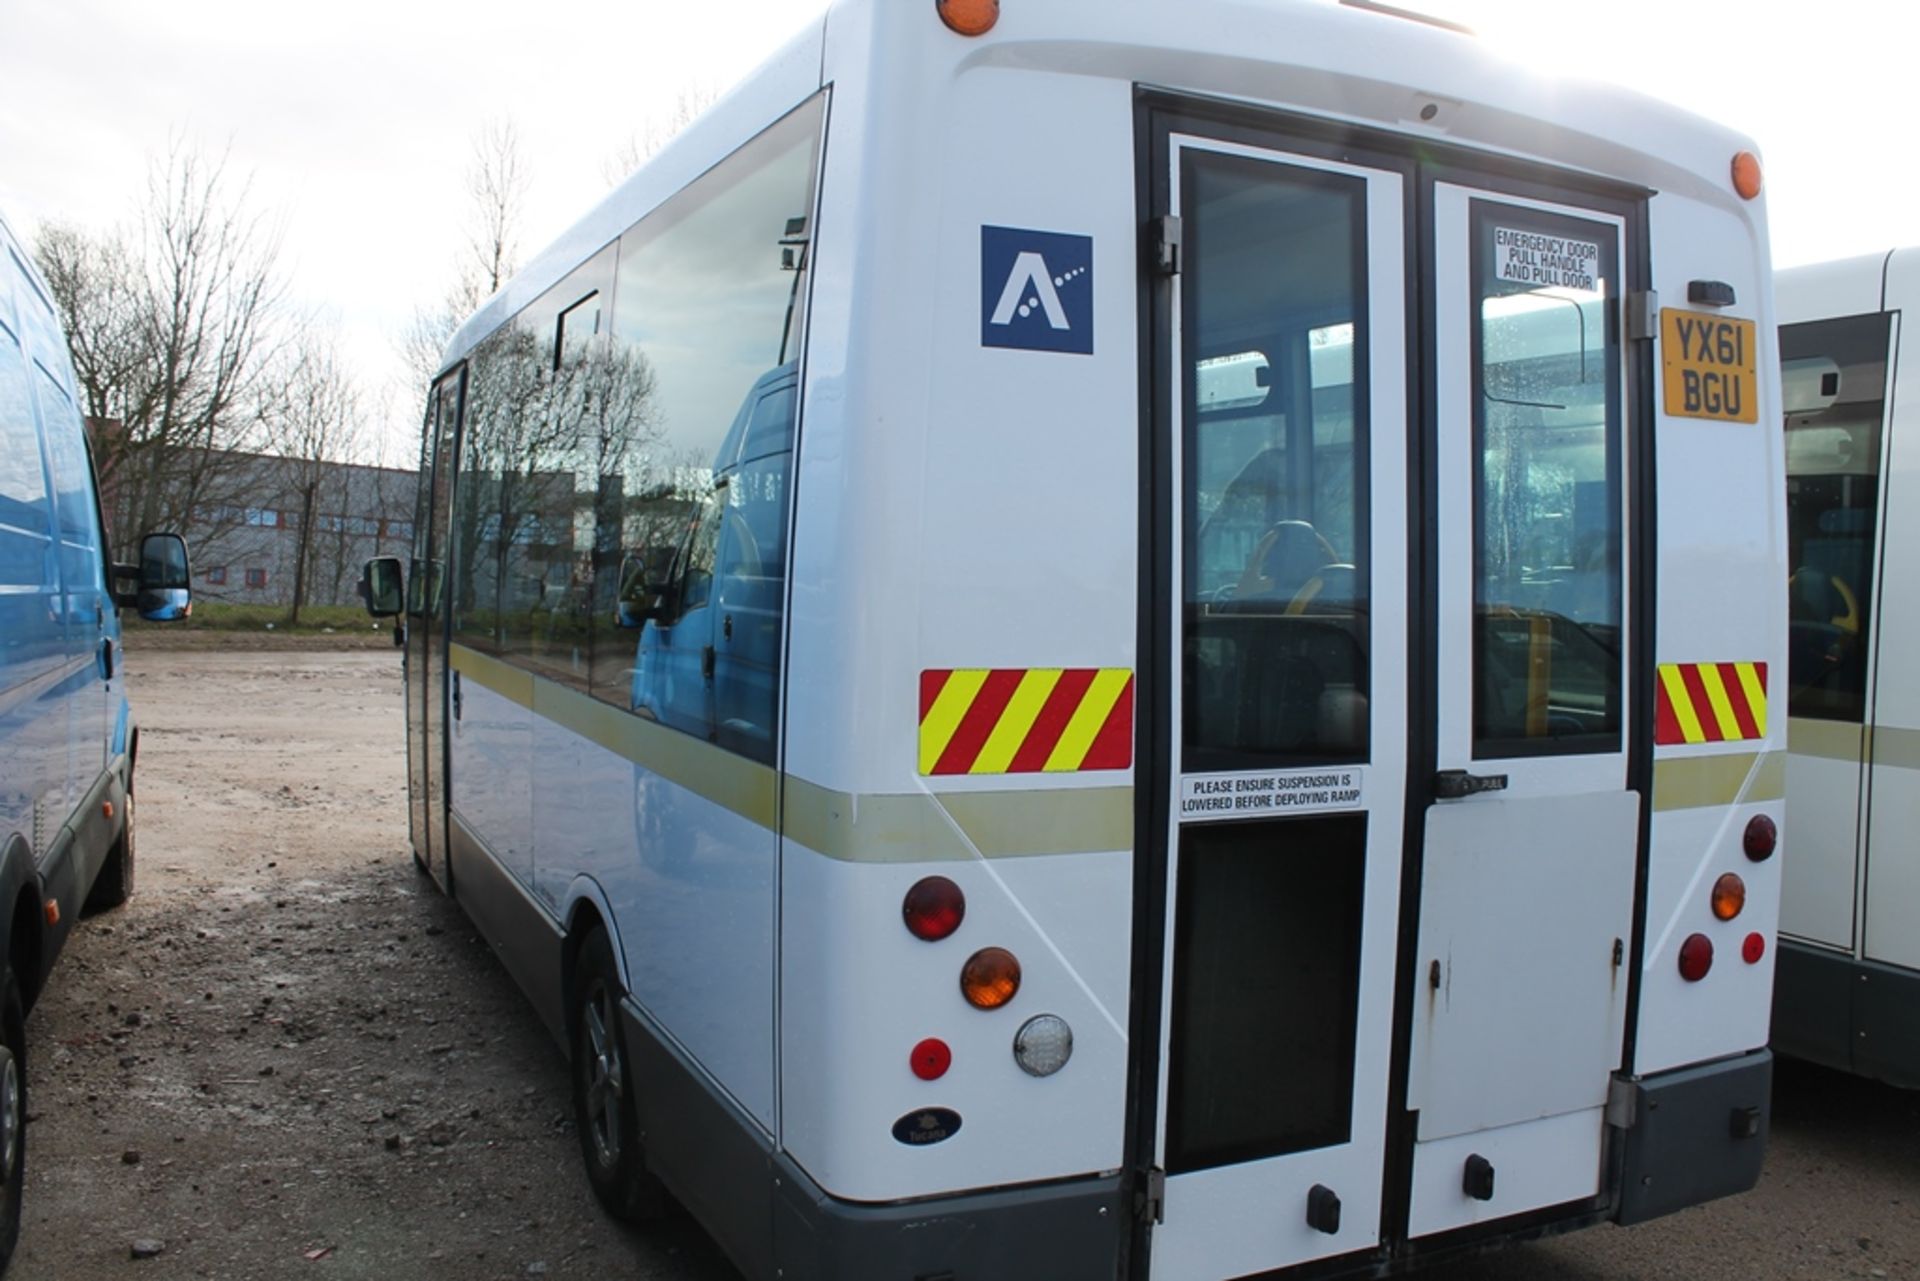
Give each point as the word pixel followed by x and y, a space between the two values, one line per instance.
pixel 1761 838
pixel 1753 949
pixel 1696 957
pixel 934 908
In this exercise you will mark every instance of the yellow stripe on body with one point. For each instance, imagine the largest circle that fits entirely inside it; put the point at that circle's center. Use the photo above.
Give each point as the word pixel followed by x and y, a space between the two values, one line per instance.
pixel 1022 710
pixel 1682 703
pixel 944 717
pixel 1721 704
pixel 1756 694
pixel 1088 718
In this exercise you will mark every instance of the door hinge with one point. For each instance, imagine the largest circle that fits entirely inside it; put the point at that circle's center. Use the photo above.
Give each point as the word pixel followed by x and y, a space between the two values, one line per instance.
pixel 1643 315
pixel 1163 244
pixel 1150 1198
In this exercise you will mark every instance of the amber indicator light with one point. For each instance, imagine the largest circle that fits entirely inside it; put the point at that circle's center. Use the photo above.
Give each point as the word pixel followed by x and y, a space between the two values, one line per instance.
pixel 990 978
pixel 969 17
pixel 1729 896
pixel 1746 174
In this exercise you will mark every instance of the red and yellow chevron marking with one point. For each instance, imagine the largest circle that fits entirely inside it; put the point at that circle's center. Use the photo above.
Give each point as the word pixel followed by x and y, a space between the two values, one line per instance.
pixel 1710 703
pixel 1025 720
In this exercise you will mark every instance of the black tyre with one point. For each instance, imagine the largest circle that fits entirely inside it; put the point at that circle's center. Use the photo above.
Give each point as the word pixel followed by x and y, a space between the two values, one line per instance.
pixel 114 885
pixel 604 1097
pixel 13 1113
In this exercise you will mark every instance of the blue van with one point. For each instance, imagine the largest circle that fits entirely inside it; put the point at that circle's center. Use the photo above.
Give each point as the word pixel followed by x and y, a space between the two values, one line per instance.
pixel 67 738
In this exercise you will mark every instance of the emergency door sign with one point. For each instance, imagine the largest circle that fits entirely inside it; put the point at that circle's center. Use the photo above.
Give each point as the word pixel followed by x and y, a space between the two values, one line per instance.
pixel 1710 366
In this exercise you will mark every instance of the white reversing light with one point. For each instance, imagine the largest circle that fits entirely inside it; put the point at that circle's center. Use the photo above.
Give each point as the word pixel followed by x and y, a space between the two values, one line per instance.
pixel 1043 1045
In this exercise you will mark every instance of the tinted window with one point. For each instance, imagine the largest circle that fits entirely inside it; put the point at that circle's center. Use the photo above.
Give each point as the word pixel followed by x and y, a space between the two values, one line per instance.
pixel 24 532
pixel 1275 573
pixel 620 522
pixel 709 301
pixel 1547 489
pixel 1834 377
pixel 79 519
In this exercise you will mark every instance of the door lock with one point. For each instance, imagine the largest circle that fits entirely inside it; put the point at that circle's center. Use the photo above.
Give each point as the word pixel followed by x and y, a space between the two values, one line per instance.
pixel 1453 784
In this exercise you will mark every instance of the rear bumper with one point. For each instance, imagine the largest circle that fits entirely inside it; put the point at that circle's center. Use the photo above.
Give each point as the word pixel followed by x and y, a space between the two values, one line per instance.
pixel 1858 1016
pixel 779 1225
pixel 1694 1135
pixel 1064 1232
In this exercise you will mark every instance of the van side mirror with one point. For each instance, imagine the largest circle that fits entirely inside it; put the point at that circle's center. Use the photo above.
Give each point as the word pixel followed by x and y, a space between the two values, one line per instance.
pixel 643 589
pixel 383 587
pixel 163 591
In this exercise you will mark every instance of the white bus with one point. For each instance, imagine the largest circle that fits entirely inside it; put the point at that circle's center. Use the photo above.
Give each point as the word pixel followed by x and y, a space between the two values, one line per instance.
pixel 1848 993
pixel 1081 640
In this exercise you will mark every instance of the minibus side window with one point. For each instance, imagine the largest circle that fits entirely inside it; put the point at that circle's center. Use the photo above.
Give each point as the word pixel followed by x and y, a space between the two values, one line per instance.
pixel 709 298
pixel 1834 379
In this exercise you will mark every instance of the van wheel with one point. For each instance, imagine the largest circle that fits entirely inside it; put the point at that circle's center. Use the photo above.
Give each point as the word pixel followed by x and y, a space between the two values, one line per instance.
pixel 604 1096
pixel 114 885
pixel 13 1113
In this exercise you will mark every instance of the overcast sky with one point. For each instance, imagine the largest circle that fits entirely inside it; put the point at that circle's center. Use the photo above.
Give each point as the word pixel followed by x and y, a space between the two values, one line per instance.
pixel 355 118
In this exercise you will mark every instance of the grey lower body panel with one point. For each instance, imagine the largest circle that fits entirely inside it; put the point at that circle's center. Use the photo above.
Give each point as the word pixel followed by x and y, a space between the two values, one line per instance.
pixel 778 1225
pixel 1695 1135
pixel 527 939
pixel 1841 1012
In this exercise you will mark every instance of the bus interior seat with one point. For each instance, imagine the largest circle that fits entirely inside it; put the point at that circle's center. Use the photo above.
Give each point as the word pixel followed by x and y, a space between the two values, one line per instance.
pixel 1284 561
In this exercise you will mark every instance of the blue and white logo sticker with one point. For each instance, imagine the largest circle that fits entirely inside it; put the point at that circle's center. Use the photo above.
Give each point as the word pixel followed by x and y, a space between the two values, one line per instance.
pixel 1036 290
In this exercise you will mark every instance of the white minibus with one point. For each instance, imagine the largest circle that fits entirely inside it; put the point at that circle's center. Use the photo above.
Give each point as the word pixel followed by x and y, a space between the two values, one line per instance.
pixel 1079 641
pixel 1848 990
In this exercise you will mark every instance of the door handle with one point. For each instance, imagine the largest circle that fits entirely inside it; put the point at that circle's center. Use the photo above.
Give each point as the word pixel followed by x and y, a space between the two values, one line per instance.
pixel 1454 784
pixel 106 658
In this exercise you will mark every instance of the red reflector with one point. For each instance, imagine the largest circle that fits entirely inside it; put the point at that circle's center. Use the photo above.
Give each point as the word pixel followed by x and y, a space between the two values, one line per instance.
pixel 934 908
pixel 1753 949
pixel 1696 957
pixel 1760 838
pixel 931 1059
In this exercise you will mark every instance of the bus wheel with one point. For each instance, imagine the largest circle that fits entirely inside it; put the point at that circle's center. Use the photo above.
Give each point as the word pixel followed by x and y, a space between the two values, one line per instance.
pixel 13 1113
pixel 604 1096
pixel 114 885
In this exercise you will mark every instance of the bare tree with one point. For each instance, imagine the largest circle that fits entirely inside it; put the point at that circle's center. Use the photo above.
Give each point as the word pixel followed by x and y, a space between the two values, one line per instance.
pixel 173 326
pixel 314 426
pixel 497 178
pixel 656 132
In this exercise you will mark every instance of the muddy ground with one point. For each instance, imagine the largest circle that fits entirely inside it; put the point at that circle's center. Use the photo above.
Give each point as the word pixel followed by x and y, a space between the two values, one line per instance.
pixel 289 1056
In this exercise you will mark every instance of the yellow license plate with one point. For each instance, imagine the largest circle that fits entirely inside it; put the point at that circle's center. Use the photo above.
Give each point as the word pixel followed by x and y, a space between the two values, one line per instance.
pixel 1710 367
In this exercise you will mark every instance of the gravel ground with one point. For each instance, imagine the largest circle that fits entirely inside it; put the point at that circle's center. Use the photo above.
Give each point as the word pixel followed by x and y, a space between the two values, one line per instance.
pixel 290 1056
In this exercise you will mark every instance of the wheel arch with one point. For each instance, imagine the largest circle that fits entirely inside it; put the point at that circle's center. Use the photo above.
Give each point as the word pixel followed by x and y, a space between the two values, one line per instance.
pixel 23 940
pixel 587 907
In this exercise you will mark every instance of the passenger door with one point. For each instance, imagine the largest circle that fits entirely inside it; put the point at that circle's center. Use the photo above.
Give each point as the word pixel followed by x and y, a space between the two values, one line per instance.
pixel 426 654
pixel 1531 839
pixel 1395 881
pixel 1286 340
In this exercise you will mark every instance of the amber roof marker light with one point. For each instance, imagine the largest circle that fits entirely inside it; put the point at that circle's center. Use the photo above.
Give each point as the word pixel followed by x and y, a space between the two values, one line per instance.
pixel 969 17
pixel 1746 174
